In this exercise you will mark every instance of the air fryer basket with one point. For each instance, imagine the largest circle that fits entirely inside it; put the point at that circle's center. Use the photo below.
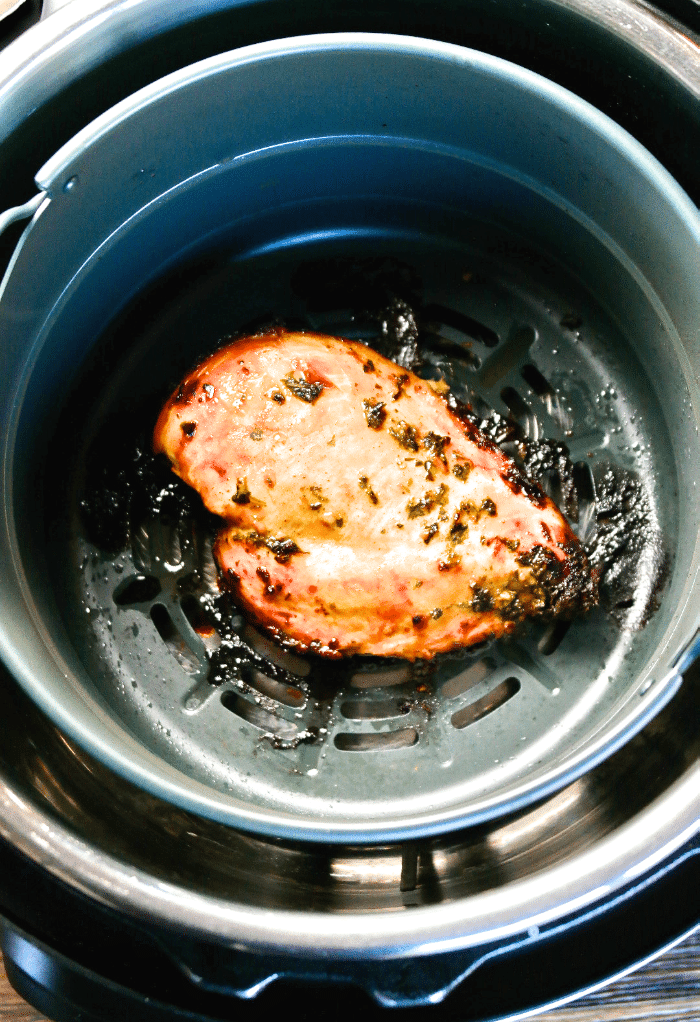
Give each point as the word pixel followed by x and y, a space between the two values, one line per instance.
pixel 533 238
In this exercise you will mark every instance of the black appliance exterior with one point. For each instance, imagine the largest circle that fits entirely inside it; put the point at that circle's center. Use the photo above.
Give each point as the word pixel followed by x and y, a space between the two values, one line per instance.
pixel 77 960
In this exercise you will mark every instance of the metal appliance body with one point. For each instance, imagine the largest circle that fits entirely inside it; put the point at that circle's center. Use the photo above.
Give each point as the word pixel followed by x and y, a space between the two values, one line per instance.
pixel 428 889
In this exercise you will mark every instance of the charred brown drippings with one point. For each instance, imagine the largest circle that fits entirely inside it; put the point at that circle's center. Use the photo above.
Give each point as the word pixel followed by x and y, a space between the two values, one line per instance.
pixel 406 436
pixel 518 482
pixel 126 484
pixel 428 502
pixel 436 444
pixel 473 427
pixel 234 658
pixel 481 599
pixel 551 456
pixel 281 546
pixel 375 413
pixel 316 500
pixel 365 485
pixel 470 511
pixel 399 327
pixel 568 586
pixel 309 736
pixel 399 382
pixel 186 392
pixel 242 494
pixel 451 560
pixel 461 469
pixel 271 590
pixel 301 388
pixel 544 585
pixel 626 552
pixel 430 532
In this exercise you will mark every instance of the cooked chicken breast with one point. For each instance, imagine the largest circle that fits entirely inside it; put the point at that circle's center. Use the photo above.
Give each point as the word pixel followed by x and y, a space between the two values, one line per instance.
pixel 360 513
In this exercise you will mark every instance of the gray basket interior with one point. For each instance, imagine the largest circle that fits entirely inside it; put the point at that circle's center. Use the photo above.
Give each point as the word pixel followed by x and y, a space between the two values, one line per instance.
pixel 545 248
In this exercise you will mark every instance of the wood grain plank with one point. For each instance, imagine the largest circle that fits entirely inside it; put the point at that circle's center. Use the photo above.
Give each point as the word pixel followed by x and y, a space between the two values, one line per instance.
pixel 666 989
pixel 12 1007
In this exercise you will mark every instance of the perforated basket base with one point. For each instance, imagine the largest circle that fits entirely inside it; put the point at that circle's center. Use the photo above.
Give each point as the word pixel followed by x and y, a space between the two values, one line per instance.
pixel 370 748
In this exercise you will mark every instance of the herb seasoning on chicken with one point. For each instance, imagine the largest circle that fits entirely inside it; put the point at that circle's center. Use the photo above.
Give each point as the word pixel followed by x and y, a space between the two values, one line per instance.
pixel 360 513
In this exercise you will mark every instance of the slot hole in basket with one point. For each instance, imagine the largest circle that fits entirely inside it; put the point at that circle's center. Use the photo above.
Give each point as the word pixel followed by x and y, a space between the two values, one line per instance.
pixel 511 353
pixel 435 315
pixel 164 623
pixel 552 637
pixel 381 742
pixel 480 708
pixel 139 589
pixel 257 716
pixel 374 709
pixel 546 392
pixel 167 629
pixel 468 678
pixel 194 612
pixel 288 695
pixel 454 350
pixel 585 489
pixel 520 412
pixel 534 379
pixel 379 679
pixel 519 407
pixel 270 651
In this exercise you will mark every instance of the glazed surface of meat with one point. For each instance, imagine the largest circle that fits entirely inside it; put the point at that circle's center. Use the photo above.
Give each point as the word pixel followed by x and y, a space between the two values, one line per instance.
pixel 361 513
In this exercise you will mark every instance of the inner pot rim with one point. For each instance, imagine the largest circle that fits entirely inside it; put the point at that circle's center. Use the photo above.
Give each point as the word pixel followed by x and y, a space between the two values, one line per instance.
pixel 616 860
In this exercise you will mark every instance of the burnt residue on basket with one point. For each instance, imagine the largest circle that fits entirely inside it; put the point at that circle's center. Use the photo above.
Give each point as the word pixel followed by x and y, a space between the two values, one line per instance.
pixel 124 484
pixel 628 548
pixel 625 545
pixel 380 296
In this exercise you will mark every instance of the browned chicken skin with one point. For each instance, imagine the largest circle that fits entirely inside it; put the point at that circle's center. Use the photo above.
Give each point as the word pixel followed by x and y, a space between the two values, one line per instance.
pixel 361 513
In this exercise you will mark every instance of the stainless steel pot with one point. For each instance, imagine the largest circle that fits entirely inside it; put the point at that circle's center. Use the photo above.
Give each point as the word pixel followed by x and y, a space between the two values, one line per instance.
pixel 498 881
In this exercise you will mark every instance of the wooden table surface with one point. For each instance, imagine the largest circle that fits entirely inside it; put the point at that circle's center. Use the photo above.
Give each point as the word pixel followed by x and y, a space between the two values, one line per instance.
pixel 667 988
